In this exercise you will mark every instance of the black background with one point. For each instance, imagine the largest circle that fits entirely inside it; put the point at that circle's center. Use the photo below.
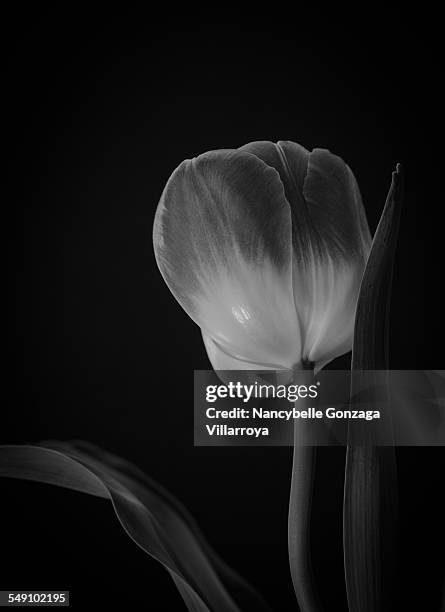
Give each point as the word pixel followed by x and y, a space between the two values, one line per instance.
pixel 102 109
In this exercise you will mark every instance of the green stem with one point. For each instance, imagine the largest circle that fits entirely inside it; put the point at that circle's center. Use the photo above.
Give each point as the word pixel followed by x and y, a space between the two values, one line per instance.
pixel 303 469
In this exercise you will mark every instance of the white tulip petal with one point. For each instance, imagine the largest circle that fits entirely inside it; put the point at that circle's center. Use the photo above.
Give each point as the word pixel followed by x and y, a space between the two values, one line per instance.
pixel 222 239
pixel 326 285
pixel 327 312
pixel 331 243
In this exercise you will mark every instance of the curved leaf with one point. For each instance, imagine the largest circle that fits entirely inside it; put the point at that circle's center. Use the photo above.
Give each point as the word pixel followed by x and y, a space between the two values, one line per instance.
pixel 152 518
pixel 369 511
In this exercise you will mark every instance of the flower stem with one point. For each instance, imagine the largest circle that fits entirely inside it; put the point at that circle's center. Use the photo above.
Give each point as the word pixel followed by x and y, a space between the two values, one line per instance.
pixel 303 468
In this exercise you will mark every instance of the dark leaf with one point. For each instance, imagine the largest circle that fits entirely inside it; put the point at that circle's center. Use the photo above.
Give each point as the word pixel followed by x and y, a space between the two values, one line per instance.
pixel 149 515
pixel 370 478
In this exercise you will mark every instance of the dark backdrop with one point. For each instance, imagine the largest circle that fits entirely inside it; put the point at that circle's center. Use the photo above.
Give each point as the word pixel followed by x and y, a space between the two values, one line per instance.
pixel 102 109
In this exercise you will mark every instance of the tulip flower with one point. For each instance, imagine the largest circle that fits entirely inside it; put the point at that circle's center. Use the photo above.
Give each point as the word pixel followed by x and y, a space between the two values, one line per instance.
pixel 264 247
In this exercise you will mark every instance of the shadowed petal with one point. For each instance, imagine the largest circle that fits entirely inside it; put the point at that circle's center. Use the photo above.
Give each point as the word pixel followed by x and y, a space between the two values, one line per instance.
pixel 335 207
pixel 326 286
pixel 327 211
pixel 222 238
pixel 331 242
pixel 290 160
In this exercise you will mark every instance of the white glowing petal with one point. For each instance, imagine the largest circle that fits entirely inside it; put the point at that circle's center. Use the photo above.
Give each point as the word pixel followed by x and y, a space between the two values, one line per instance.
pixel 326 298
pixel 249 312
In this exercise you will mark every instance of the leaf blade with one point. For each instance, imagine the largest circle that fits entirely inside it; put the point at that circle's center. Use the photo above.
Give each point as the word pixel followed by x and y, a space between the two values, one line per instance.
pixel 369 515
pixel 148 516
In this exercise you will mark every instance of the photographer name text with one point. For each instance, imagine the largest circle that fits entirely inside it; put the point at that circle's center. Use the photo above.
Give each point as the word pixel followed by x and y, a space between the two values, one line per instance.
pixel 286 415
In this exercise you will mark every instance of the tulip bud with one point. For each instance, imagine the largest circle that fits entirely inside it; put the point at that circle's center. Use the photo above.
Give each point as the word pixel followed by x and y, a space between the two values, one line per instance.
pixel 264 247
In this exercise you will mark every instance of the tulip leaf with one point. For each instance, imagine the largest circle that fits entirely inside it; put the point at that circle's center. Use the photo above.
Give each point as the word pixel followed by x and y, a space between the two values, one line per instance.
pixel 370 476
pixel 151 517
